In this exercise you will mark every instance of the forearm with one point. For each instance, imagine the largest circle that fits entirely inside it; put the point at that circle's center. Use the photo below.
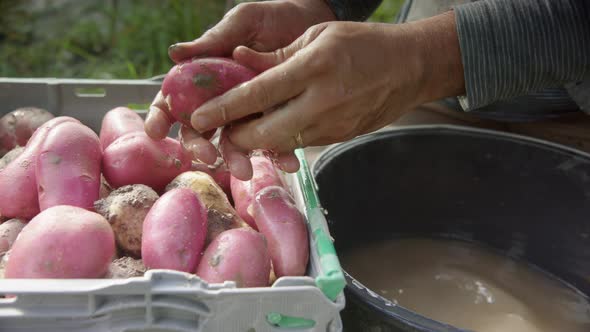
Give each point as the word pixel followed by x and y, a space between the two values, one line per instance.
pixel 353 10
pixel 510 48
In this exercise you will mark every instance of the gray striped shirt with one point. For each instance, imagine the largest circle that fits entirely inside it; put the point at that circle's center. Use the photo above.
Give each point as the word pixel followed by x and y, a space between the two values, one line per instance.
pixel 523 59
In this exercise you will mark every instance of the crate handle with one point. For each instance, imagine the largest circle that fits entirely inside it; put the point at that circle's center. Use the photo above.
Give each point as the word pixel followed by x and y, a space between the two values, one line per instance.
pixel 90 92
pixel 331 279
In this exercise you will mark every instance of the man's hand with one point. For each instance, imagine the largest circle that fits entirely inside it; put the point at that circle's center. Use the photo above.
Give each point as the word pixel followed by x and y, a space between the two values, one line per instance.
pixel 261 26
pixel 337 81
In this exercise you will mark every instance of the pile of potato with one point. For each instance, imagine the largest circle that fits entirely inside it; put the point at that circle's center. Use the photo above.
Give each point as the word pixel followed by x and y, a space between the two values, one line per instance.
pixel 80 205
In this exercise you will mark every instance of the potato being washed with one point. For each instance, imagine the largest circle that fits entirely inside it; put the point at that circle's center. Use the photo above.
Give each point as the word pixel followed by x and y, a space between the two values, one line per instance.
pixel 191 83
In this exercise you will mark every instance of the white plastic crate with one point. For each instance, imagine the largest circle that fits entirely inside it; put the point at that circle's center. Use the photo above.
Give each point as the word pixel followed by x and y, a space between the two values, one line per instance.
pixel 164 300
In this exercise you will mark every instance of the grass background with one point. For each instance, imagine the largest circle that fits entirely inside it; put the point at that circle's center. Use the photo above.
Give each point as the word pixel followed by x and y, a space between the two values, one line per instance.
pixel 107 39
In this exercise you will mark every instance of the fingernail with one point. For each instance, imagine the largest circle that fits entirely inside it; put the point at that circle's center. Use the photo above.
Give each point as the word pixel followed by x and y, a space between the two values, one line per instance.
pixel 201 123
pixel 173 47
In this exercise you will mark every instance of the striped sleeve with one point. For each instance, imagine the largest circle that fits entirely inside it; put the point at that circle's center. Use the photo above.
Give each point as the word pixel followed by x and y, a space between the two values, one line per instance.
pixel 513 47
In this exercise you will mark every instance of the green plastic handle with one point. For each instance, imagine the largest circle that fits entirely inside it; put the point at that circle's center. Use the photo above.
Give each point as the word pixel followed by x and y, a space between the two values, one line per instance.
pixel 331 280
pixel 289 322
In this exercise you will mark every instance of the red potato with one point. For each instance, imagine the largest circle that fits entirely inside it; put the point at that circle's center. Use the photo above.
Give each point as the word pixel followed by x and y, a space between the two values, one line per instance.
pixel 105 188
pixel 218 171
pixel 284 227
pixel 17 126
pixel 174 232
pixel 238 255
pixel 18 183
pixel 135 158
pixel 68 167
pixel 62 242
pixel 9 230
pixel 118 122
pixel 243 192
pixel 191 83
pixel 221 215
pixel 10 156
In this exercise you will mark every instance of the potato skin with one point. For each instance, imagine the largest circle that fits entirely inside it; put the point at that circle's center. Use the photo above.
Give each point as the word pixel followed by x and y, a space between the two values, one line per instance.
pixel 118 122
pixel 243 192
pixel 62 242
pixel 284 227
pixel 19 125
pixel 221 215
pixel 174 232
pixel 239 255
pixel 125 267
pixel 125 209
pixel 135 158
pixel 18 182
pixel 68 167
pixel 9 230
pixel 10 156
pixel 191 83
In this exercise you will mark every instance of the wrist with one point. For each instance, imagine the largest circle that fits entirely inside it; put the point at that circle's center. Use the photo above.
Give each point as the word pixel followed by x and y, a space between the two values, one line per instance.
pixel 438 57
pixel 317 9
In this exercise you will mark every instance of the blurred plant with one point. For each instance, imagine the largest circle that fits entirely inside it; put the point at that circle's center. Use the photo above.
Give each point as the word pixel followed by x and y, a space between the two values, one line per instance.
pixel 107 39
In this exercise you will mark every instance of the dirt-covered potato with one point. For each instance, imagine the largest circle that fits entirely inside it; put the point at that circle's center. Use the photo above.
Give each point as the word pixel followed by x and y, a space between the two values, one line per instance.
pixel 125 209
pixel 125 267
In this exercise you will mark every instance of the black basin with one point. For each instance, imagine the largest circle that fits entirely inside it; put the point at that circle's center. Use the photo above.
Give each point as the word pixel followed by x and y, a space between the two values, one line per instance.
pixel 527 198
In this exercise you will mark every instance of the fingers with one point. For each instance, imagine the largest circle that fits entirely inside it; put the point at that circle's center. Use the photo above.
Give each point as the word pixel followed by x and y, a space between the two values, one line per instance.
pixel 288 162
pixel 158 121
pixel 201 148
pixel 238 163
pixel 273 87
pixel 281 131
pixel 237 27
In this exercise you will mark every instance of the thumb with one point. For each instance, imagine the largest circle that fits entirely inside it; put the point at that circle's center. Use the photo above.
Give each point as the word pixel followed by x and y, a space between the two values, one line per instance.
pixel 261 61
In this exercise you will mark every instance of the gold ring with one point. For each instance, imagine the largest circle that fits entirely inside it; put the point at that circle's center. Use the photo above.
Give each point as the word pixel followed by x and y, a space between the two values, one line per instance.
pixel 299 140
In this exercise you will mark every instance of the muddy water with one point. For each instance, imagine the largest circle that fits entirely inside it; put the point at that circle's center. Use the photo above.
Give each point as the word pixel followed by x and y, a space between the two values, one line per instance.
pixel 468 286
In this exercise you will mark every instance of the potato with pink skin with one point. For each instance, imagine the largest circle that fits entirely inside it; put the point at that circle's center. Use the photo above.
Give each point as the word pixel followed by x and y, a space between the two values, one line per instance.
pixel 10 156
pixel 9 230
pixel 135 158
pixel 238 255
pixel 191 83
pixel 284 227
pixel 174 232
pixel 18 183
pixel 118 122
pixel 221 215
pixel 62 242
pixel 17 126
pixel 243 192
pixel 68 167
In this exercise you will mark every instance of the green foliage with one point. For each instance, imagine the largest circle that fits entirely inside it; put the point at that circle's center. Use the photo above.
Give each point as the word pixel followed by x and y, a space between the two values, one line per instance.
pixel 107 39
pixel 387 11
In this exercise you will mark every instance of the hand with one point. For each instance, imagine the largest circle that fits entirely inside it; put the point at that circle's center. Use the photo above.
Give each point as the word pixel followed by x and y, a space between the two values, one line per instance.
pixel 335 82
pixel 262 26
